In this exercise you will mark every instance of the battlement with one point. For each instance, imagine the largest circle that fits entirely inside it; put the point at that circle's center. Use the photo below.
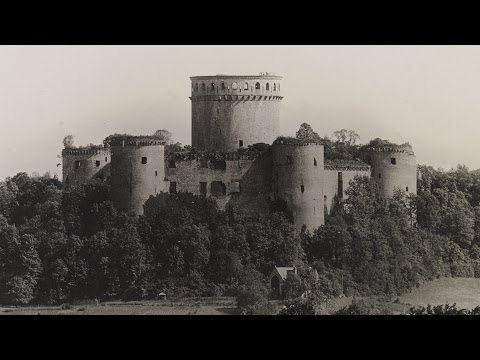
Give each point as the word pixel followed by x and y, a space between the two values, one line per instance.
pixel 250 77
pixel 390 149
pixel 231 156
pixel 215 97
pixel 129 140
pixel 86 151
pixel 346 165
pixel 296 142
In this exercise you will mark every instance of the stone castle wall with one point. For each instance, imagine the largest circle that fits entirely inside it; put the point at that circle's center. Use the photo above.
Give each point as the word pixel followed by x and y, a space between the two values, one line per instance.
pixel 331 182
pixel 81 165
pixel 242 181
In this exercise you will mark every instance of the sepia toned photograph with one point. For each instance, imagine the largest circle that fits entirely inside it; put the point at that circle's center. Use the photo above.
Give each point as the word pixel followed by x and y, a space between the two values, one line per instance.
pixel 239 180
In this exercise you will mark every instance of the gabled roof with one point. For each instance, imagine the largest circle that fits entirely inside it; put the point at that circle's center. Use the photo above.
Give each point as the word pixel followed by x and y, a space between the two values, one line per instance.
pixel 283 271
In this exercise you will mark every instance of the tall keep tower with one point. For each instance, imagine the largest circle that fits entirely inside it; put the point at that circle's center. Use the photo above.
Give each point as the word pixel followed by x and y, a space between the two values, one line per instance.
pixel 394 167
pixel 138 171
pixel 298 179
pixel 233 111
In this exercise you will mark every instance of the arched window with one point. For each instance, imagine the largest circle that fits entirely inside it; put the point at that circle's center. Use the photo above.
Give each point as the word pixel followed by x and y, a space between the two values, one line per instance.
pixel 213 86
pixel 223 86
pixel 245 86
pixel 274 87
pixel 203 86
pixel 257 86
pixel 267 87
pixel 234 86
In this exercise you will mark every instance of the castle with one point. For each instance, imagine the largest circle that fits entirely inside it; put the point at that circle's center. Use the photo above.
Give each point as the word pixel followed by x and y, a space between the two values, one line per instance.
pixel 230 113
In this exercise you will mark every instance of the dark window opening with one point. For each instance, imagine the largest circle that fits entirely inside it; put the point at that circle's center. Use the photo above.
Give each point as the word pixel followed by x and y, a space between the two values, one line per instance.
pixel 302 189
pixel 379 175
pixel 173 187
pixel 223 86
pixel 314 162
pixel 203 87
pixel 144 160
pixel 203 188
pixel 274 87
pixel 340 185
pixel 213 87
pixel 203 163
pixel 393 161
pixel 325 205
pixel 156 173
pixel 218 164
pixel 171 164
pixel 106 159
pixel 267 87
pixel 97 163
pixel 257 86
pixel 78 163
pixel 218 188
pixel 406 189
pixel 240 142
pixel 289 160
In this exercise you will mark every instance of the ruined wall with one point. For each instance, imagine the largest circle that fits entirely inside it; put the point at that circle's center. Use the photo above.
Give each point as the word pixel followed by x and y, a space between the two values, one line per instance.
pixel 229 112
pixel 133 181
pixel 331 180
pixel 394 168
pixel 81 165
pixel 246 180
pixel 298 179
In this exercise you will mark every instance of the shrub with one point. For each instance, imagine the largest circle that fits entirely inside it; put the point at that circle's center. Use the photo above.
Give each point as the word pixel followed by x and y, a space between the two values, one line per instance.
pixel 298 307
pixel 365 307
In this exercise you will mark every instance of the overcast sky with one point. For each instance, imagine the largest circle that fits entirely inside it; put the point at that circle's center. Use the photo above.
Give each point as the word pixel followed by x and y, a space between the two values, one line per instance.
pixel 427 95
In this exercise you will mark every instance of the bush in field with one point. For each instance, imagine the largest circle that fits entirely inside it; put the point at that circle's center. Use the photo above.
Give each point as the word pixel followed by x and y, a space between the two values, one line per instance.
pixel 446 309
pixel 365 307
pixel 298 307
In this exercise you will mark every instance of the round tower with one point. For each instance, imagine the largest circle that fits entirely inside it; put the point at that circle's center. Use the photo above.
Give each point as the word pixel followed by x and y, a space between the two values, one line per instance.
pixel 393 167
pixel 232 111
pixel 82 164
pixel 298 179
pixel 138 171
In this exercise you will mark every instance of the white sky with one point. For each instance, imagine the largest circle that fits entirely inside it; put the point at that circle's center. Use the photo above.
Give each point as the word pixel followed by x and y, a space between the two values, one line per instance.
pixel 427 95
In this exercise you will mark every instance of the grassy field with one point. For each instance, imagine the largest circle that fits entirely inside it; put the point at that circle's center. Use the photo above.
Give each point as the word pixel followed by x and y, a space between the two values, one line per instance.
pixel 465 292
pixel 184 307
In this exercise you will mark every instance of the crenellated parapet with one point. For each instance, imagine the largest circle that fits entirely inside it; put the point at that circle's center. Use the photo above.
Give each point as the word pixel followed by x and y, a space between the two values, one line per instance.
pixel 404 150
pixel 85 151
pixel 126 140
pixel 346 165
pixel 215 97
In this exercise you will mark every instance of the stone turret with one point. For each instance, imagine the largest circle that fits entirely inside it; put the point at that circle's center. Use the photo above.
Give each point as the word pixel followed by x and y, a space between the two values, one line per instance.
pixel 298 179
pixel 393 167
pixel 138 171
pixel 79 165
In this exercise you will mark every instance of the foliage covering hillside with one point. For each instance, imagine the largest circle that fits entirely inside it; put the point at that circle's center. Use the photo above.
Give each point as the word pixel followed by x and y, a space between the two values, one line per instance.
pixel 57 245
